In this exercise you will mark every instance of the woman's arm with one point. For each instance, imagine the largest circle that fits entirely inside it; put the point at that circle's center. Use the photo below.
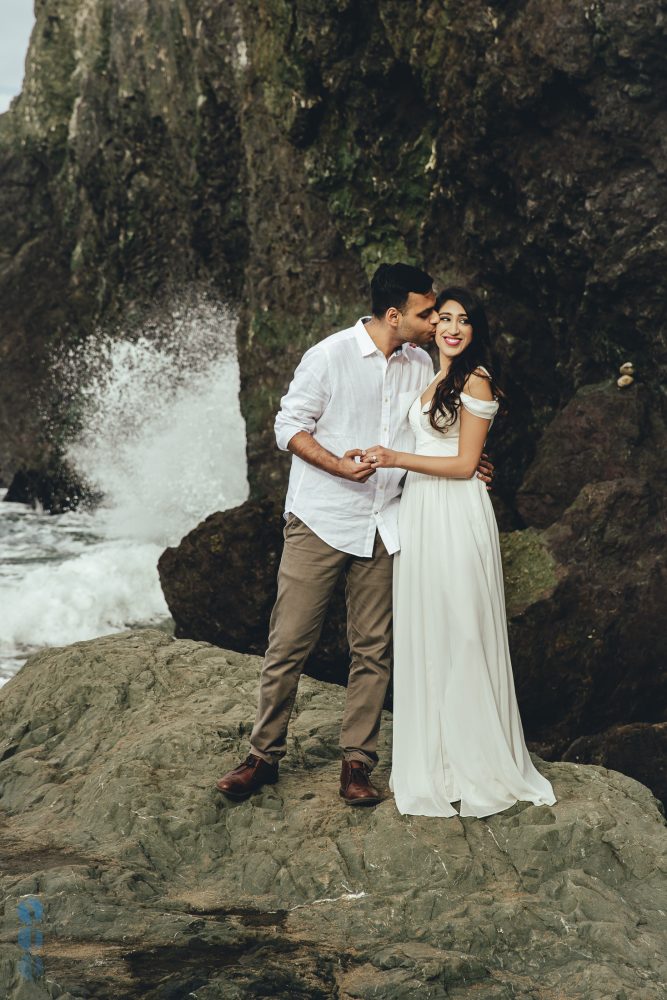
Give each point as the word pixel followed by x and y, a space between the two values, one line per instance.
pixel 471 443
pixel 463 466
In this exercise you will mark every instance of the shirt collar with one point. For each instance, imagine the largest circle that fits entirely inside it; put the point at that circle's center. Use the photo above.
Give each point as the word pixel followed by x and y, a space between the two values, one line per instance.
pixel 366 342
pixel 364 339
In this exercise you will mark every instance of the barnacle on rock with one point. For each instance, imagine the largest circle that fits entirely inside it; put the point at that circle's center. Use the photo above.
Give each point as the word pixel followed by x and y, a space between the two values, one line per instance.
pixel 627 368
pixel 624 380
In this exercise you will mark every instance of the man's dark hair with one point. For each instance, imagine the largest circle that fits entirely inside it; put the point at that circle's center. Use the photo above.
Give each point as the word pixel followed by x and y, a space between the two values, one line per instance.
pixel 392 283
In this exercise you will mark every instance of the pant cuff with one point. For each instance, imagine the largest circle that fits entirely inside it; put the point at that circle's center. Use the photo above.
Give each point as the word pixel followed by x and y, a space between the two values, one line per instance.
pixel 269 758
pixel 359 755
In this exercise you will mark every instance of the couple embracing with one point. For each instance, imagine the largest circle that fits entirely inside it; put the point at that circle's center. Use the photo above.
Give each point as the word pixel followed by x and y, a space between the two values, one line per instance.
pixel 421 549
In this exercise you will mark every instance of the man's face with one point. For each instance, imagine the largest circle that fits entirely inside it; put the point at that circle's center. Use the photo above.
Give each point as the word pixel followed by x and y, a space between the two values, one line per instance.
pixel 418 319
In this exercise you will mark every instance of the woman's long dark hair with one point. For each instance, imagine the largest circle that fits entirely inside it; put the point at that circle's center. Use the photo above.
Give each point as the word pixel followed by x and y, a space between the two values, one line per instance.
pixel 447 397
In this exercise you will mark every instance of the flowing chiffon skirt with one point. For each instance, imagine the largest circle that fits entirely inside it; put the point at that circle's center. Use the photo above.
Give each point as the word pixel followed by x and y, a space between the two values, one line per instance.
pixel 457 730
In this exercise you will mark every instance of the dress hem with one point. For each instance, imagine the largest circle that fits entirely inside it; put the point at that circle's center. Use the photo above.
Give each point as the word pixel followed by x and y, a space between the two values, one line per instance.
pixel 475 815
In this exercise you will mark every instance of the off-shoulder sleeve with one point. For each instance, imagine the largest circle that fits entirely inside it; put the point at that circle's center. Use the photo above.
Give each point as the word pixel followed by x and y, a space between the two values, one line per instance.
pixel 486 408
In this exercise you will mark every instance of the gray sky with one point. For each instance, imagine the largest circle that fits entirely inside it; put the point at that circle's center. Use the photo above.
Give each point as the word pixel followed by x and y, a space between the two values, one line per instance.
pixel 16 21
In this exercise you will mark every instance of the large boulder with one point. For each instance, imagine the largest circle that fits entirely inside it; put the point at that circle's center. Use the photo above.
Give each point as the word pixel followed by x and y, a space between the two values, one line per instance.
pixel 144 882
pixel 601 434
pixel 588 647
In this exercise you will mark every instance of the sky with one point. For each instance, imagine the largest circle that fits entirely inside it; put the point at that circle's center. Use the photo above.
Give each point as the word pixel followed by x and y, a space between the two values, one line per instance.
pixel 16 21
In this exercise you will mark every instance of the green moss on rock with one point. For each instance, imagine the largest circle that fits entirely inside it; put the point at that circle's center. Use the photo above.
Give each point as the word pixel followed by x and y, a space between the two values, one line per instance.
pixel 529 569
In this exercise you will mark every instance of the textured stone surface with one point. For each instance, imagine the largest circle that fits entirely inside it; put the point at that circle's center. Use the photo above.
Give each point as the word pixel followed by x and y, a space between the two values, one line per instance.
pixel 120 166
pixel 153 886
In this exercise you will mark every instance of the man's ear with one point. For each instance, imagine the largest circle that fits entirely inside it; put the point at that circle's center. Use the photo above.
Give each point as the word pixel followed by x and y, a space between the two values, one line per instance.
pixel 392 316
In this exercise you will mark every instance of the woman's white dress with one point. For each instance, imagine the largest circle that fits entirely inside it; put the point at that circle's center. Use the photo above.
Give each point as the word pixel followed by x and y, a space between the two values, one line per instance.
pixel 457 730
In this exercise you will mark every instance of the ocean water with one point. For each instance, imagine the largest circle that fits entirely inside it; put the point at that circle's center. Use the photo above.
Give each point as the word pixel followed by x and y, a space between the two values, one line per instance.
pixel 162 439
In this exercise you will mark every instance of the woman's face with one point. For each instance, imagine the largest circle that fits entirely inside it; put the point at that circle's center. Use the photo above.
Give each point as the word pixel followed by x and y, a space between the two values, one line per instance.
pixel 453 332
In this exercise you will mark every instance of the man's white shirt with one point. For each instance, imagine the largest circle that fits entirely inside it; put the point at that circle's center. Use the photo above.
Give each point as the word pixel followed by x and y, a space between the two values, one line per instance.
pixel 347 394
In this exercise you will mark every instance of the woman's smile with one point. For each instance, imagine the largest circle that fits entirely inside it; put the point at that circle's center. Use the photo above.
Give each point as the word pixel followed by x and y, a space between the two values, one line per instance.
pixel 454 330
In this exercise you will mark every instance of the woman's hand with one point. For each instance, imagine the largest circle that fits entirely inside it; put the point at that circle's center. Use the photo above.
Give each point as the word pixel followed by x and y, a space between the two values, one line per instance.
pixel 380 457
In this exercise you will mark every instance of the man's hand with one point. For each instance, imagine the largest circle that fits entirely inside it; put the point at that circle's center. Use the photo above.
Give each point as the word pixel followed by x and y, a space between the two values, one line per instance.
pixel 356 472
pixel 305 447
pixel 485 471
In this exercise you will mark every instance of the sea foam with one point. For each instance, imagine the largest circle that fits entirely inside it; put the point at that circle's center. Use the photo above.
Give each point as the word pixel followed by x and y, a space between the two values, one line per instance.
pixel 161 438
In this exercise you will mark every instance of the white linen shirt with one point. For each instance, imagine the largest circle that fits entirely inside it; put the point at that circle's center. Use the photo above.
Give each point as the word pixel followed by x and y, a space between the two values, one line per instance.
pixel 347 394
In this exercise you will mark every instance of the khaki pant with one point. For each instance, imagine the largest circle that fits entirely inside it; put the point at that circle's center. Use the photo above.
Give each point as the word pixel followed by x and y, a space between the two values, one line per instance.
pixel 309 570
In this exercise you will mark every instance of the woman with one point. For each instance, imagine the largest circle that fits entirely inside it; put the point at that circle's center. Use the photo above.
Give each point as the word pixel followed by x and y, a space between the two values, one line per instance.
pixel 457 731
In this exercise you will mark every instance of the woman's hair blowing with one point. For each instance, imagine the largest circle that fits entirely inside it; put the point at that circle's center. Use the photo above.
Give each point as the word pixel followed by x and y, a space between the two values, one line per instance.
pixel 447 397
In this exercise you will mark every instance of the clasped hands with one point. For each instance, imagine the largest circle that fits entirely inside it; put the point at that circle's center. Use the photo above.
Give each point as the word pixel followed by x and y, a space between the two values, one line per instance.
pixel 379 457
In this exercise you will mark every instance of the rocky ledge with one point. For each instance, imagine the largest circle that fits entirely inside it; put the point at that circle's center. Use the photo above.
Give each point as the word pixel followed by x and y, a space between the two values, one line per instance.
pixel 144 882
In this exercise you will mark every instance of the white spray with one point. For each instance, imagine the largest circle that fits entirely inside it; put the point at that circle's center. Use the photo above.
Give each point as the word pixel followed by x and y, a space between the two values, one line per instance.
pixel 162 439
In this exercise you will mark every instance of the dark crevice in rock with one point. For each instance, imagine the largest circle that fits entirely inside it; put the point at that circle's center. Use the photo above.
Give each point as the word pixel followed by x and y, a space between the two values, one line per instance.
pixel 248 916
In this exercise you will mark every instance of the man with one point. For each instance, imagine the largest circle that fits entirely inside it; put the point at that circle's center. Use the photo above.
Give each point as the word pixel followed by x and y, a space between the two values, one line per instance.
pixel 352 388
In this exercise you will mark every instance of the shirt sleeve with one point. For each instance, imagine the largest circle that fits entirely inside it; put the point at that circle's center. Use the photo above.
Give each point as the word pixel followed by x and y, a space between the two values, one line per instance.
pixel 305 400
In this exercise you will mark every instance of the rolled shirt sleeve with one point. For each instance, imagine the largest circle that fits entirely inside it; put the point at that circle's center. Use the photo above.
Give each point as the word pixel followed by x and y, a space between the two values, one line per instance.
pixel 308 394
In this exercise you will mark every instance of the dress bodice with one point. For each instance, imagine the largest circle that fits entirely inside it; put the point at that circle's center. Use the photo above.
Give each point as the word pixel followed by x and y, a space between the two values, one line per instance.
pixel 445 442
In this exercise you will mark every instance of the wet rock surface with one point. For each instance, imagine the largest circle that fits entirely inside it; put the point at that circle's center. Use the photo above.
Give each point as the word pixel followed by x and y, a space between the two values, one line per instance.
pixel 152 885
pixel 56 491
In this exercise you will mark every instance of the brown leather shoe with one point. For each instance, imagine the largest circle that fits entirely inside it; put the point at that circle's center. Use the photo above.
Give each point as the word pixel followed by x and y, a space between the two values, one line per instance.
pixel 355 784
pixel 247 778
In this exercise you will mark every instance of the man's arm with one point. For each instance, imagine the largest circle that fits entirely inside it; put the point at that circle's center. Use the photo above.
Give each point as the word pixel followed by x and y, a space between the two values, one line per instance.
pixel 306 399
pixel 300 409
pixel 306 447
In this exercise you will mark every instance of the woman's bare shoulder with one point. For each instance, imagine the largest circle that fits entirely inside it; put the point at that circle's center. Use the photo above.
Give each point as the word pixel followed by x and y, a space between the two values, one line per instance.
pixel 478 385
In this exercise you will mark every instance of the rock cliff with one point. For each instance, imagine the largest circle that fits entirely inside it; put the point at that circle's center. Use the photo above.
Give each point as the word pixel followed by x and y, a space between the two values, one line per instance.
pixel 144 883
pixel 275 152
